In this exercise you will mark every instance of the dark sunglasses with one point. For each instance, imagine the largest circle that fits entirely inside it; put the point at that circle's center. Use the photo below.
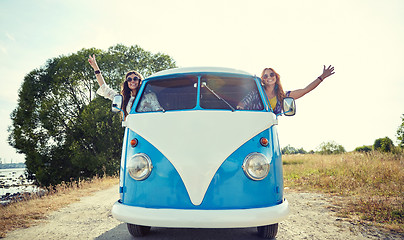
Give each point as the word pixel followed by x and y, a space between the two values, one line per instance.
pixel 266 75
pixel 129 79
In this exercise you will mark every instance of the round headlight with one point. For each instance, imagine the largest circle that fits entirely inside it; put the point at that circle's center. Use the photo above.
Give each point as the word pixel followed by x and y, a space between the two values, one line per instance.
pixel 256 166
pixel 139 166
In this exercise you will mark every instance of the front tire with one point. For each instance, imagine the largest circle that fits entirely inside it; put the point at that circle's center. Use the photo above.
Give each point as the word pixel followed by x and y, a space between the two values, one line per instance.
pixel 268 231
pixel 137 230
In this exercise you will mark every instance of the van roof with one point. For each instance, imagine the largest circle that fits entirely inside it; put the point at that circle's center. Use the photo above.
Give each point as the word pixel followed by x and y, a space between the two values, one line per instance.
pixel 198 70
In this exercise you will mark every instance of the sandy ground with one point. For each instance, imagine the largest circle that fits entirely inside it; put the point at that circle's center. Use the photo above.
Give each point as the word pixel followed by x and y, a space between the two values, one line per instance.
pixel 310 218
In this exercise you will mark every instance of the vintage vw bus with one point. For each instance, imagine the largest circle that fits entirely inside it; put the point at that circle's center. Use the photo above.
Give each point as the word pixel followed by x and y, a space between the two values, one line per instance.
pixel 191 159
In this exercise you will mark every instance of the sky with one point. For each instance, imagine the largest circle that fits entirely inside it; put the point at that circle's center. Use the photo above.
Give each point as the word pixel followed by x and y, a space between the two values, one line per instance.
pixel 362 39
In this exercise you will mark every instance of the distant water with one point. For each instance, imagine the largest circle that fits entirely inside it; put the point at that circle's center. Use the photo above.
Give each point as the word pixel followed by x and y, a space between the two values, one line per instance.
pixel 13 182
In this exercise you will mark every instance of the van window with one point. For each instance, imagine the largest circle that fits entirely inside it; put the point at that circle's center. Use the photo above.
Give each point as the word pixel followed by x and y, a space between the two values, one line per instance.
pixel 232 89
pixel 169 94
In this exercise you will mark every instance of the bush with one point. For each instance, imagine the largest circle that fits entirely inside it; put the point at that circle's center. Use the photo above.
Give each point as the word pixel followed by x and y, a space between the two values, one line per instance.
pixel 383 145
pixel 363 149
pixel 400 133
pixel 330 148
pixel 291 150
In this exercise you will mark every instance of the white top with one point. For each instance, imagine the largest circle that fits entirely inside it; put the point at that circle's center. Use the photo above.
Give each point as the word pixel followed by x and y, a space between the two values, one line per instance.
pixel 149 103
pixel 106 92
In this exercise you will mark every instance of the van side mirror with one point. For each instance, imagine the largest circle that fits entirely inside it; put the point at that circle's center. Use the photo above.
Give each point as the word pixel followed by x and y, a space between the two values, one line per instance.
pixel 289 106
pixel 117 104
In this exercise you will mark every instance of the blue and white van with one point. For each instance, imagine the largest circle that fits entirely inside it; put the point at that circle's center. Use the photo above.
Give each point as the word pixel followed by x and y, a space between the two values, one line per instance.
pixel 191 159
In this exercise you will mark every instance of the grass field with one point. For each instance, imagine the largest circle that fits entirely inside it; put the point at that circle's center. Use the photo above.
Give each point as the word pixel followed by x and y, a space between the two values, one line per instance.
pixel 370 185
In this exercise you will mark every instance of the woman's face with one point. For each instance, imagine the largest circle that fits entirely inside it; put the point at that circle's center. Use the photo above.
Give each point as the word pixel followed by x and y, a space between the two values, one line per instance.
pixel 133 81
pixel 269 77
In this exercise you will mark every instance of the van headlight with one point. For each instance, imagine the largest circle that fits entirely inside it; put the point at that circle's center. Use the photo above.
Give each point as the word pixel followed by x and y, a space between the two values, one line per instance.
pixel 256 166
pixel 139 166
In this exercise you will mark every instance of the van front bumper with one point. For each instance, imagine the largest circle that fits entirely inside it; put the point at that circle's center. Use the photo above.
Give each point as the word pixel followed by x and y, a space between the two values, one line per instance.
pixel 186 218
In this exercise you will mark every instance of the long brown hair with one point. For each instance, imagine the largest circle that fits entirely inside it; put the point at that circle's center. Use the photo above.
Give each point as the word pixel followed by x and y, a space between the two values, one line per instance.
pixel 126 91
pixel 280 94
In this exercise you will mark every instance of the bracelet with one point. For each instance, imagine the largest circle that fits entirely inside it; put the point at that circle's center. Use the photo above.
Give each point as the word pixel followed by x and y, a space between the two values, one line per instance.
pixel 320 78
pixel 97 72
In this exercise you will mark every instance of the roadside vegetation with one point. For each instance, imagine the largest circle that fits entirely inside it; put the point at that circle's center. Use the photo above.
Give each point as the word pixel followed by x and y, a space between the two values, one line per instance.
pixel 369 186
pixel 367 183
pixel 62 128
pixel 36 207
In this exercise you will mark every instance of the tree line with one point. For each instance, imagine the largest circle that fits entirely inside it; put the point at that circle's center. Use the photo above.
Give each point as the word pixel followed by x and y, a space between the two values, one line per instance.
pixel 381 145
pixel 330 147
pixel 64 130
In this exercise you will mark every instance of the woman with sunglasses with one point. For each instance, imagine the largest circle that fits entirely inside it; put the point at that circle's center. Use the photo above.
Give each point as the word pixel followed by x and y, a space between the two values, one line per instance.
pixel 274 91
pixel 130 86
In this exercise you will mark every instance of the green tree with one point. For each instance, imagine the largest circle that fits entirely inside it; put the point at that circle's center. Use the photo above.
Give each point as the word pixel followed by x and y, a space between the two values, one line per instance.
pixel 291 150
pixel 363 149
pixel 63 129
pixel 383 145
pixel 301 151
pixel 330 147
pixel 400 133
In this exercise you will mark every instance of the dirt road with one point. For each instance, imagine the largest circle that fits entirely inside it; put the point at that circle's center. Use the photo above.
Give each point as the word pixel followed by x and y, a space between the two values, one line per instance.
pixel 91 218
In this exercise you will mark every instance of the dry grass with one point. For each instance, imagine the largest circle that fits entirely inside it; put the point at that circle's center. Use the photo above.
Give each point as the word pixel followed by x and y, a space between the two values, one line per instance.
pixel 26 213
pixel 370 185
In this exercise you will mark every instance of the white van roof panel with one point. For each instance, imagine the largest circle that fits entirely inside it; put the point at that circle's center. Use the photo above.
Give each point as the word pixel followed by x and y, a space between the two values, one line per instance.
pixel 199 70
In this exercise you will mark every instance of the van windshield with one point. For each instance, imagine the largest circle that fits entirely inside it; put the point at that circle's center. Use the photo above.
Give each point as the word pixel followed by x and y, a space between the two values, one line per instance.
pixel 233 90
pixel 169 94
pixel 216 92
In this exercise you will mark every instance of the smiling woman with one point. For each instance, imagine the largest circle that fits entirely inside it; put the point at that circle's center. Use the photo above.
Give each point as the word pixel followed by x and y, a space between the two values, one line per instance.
pixel 130 86
pixel 270 79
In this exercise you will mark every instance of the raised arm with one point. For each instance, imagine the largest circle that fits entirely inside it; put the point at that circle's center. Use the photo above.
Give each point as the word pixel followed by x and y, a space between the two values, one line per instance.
pixel 104 90
pixel 301 92
pixel 94 65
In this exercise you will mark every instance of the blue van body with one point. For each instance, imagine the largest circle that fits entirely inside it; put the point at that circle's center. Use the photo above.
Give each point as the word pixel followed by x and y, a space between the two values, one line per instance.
pixel 191 159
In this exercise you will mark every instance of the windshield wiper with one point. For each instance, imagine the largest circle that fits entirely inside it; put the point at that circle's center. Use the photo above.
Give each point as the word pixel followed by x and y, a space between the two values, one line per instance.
pixel 216 95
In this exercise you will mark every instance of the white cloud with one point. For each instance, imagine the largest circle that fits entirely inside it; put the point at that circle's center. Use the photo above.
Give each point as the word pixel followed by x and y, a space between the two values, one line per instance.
pixel 9 36
pixel 3 49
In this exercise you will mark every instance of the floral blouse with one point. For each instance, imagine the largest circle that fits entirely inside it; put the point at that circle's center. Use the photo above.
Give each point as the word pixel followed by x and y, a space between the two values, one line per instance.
pixel 109 93
pixel 253 102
